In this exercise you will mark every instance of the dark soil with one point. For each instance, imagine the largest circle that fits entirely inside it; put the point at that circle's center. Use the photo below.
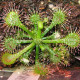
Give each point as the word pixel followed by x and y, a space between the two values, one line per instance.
pixel 68 75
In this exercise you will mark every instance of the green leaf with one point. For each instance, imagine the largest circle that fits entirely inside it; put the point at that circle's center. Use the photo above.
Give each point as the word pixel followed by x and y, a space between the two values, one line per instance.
pixel 34 18
pixel 10 44
pixel 72 40
pixel 58 17
pixel 12 19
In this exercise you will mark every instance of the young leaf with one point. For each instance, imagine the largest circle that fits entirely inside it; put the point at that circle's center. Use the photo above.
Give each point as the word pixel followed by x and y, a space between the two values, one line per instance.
pixel 34 18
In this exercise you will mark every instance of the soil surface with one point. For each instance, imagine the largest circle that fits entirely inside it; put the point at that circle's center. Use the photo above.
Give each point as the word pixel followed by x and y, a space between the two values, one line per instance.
pixel 70 75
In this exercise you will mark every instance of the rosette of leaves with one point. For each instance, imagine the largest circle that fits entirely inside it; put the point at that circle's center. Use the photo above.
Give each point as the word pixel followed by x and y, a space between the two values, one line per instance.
pixel 38 38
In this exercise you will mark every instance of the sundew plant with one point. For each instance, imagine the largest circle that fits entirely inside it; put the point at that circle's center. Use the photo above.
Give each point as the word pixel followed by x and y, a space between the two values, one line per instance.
pixel 37 39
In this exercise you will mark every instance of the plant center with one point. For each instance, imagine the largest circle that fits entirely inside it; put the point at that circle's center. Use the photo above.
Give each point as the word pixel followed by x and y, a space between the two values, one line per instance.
pixel 37 41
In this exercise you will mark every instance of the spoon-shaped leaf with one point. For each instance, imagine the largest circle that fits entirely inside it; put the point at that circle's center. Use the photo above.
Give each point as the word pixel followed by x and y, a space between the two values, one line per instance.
pixel 12 19
pixel 71 40
pixel 9 59
pixel 58 18
pixel 34 18
pixel 11 43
